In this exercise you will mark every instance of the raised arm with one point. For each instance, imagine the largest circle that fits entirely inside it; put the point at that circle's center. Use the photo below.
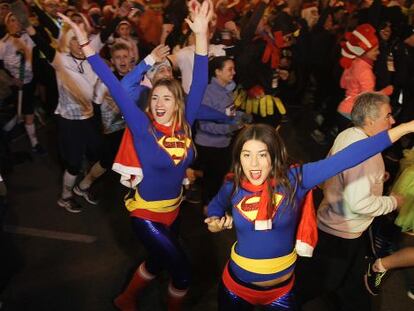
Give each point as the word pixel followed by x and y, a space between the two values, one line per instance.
pixel 315 173
pixel 132 80
pixel 42 44
pixel 136 119
pixel 124 11
pixel 198 21
pixel 45 19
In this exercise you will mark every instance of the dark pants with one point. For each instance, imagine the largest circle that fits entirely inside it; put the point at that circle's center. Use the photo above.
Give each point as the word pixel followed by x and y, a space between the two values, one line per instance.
pixel 110 147
pixel 28 97
pixel 215 163
pixel 337 267
pixel 78 139
pixel 408 241
pixel 164 250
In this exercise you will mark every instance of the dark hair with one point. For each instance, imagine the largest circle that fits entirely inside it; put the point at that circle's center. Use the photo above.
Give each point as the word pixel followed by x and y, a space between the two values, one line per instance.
pixel 118 47
pixel 278 155
pixel 217 63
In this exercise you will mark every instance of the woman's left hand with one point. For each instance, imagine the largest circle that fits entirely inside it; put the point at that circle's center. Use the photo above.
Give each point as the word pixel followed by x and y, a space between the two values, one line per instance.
pixel 160 52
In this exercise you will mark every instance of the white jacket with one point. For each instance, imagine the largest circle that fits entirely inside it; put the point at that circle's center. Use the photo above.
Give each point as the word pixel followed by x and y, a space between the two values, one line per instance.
pixel 353 198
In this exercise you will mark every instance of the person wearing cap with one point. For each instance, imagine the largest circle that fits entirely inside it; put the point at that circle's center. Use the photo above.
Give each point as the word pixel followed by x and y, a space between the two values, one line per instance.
pixel 359 52
pixel 138 82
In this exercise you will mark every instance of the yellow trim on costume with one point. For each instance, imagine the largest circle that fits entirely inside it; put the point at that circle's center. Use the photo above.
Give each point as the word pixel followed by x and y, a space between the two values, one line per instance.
pixel 161 206
pixel 263 266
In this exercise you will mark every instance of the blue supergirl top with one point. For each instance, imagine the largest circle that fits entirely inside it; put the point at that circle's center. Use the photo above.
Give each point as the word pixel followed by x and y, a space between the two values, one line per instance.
pixel 163 163
pixel 280 240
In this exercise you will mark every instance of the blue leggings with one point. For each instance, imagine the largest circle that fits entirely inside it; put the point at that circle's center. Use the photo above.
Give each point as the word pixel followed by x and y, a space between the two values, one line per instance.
pixel 164 250
pixel 229 301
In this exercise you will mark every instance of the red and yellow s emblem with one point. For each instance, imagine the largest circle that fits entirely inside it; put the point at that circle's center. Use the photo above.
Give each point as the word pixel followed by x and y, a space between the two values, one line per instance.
pixel 175 146
pixel 248 207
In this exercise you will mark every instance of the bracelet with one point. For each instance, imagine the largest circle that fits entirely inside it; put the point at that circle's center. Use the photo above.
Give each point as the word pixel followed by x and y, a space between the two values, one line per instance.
pixel 85 43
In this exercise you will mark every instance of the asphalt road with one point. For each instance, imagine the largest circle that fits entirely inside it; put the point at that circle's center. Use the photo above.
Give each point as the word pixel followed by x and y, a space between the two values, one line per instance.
pixel 62 261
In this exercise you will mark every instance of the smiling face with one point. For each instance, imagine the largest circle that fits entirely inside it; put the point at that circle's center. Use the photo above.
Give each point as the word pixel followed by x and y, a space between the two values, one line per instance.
pixel 255 161
pixel 226 74
pixel 162 105
pixel 383 122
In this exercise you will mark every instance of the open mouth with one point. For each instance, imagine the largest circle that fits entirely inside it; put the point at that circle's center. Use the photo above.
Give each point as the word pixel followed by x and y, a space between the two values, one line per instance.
pixel 256 174
pixel 160 112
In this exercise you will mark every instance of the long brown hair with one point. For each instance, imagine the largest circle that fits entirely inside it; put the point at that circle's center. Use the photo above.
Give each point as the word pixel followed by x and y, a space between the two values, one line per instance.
pixel 278 155
pixel 177 91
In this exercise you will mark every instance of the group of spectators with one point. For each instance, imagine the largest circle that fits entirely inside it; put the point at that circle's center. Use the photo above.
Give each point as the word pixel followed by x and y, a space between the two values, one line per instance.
pixel 265 58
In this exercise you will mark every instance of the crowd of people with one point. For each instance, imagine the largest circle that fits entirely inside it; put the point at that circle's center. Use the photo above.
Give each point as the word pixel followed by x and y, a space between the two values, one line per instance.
pixel 181 97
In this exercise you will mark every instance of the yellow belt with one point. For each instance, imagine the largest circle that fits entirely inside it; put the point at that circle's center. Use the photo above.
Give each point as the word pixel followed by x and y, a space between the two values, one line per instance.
pixel 161 206
pixel 263 266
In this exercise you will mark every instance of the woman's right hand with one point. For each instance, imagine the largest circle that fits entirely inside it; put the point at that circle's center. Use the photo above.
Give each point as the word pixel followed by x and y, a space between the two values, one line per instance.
pixel 80 32
pixel 217 224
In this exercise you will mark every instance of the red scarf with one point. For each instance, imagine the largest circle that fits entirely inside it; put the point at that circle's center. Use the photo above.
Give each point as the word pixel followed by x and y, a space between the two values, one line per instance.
pixel 166 130
pixel 266 210
pixel 307 231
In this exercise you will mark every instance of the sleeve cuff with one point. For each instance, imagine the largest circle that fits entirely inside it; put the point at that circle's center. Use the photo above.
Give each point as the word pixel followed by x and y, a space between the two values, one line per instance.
pixel 394 202
pixel 149 60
